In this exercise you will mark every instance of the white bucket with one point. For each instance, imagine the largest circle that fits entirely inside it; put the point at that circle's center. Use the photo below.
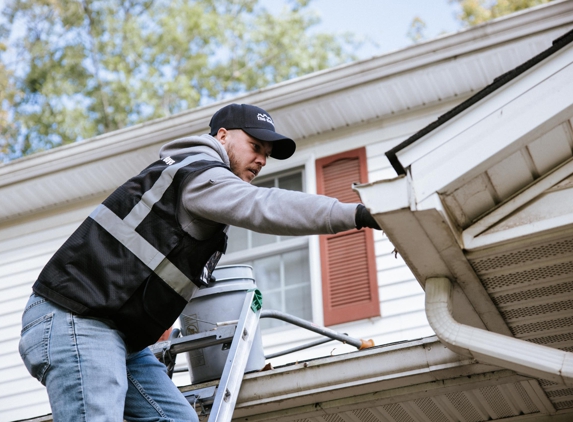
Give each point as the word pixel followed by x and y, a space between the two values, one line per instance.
pixel 221 301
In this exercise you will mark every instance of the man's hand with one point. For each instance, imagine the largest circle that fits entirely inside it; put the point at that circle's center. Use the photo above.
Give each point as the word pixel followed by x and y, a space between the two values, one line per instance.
pixel 363 218
pixel 165 335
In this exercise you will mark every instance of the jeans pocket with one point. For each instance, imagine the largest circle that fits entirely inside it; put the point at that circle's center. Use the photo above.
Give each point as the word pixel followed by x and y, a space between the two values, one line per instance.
pixel 34 346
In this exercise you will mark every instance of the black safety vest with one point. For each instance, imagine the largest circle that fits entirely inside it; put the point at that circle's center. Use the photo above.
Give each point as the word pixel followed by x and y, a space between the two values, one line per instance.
pixel 130 261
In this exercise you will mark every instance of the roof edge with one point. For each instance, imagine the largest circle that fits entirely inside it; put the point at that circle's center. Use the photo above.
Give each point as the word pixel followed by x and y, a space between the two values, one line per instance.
pixel 497 83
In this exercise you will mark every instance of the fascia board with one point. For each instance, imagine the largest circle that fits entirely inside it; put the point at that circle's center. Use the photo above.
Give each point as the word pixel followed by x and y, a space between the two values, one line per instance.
pixel 290 93
pixel 513 117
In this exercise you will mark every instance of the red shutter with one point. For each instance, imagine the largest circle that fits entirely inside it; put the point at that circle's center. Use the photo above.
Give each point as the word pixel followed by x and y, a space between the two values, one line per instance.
pixel 349 282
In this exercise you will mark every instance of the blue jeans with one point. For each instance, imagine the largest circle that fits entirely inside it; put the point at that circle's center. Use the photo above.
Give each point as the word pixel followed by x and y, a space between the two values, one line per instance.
pixel 90 375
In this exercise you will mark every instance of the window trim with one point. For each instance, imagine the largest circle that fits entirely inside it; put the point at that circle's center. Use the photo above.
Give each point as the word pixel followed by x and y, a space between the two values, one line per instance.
pixel 265 251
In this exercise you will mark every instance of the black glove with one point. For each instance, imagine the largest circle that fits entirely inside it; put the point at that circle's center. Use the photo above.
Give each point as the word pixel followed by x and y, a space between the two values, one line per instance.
pixel 364 219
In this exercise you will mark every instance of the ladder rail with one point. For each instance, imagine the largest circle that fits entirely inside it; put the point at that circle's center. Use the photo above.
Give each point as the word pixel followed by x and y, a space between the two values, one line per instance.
pixel 234 371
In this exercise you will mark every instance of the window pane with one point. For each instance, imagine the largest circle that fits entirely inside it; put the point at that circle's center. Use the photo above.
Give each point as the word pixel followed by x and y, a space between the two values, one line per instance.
pixel 297 300
pixel 270 183
pixel 292 182
pixel 260 239
pixel 271 301
pixel 296 267
pixel 238 239
pixel 297 284
pixel 268 273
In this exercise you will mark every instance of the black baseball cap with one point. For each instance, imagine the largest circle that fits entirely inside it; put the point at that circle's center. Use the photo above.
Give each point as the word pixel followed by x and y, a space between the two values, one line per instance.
pixel 257 123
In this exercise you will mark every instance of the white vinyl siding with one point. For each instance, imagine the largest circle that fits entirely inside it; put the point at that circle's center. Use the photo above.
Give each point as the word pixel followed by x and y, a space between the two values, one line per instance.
pixel 24 250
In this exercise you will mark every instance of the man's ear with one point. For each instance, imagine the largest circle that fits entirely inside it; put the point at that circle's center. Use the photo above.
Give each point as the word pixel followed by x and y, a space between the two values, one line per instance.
pixel 222 136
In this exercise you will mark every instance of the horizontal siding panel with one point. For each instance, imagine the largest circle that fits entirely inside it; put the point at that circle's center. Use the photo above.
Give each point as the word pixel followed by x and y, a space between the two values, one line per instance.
pixel 16 292
pixel 377 163
pixel 403 305
pixel 19 255
pixel 389 260
pixel 399 290
pixel 14 374
pixel 31 401
pixel 15 268
pixel 378 150
pixel 387 173
pixel 394 275
pixel 404 326
pixel 24 250
pixel 9 319
pixel 12 359
pixel 26 277
pixel 28 412
pixel 21 382
pixel 10 332
pixel 16 239
pixel 383 246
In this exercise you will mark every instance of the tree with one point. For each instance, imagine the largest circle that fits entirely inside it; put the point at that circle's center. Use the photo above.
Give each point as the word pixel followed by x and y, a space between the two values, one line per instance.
pixel 416 31
pixel 81 68
pixel 474 12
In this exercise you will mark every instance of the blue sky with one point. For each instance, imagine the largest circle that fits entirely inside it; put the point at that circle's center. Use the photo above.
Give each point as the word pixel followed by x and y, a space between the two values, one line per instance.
pixel 384 21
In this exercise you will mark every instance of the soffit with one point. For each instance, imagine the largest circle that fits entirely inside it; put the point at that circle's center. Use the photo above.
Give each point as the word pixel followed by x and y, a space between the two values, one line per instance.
pixel 530 281
pixel 368 91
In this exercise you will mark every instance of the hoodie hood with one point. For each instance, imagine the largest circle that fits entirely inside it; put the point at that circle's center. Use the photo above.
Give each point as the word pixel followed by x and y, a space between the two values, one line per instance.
pixel 203 143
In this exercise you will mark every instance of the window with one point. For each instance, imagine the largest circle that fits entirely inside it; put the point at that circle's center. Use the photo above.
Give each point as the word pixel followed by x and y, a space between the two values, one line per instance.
pixel 280 263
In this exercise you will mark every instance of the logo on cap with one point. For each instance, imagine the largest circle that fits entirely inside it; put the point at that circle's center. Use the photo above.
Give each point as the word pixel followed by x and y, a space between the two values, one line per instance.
pixel 265 118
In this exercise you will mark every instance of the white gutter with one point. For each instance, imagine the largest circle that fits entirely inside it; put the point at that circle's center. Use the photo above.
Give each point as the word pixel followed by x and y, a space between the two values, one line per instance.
pixel 487 347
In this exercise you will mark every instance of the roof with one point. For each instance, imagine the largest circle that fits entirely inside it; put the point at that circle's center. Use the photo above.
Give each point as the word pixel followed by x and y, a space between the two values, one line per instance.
pixel 415 381
pixel 497 83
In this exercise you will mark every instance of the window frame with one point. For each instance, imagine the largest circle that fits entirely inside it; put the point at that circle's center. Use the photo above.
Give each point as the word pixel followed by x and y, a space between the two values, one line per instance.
pixel 310 243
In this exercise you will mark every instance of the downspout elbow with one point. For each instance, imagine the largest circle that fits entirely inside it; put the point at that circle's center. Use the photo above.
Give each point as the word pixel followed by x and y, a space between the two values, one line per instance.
pixel 487 347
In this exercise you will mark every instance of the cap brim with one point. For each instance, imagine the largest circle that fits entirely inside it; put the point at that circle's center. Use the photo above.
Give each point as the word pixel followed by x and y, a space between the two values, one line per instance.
pixel 283 147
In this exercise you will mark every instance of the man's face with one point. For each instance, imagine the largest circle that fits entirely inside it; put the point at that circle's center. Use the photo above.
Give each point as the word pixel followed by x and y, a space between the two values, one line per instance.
pixel 246 154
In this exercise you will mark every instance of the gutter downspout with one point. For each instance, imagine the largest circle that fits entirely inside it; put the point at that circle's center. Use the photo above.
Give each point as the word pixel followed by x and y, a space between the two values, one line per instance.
pixel 488 347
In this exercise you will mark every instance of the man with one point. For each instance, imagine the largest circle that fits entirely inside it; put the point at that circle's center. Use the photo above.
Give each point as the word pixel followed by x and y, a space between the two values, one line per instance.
pixel 127 272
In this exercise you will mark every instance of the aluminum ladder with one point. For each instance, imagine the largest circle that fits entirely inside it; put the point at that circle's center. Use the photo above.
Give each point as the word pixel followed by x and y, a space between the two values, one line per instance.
pixel 241 333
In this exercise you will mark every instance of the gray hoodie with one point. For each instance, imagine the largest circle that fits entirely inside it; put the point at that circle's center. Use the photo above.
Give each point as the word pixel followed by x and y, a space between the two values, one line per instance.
pixel 216 196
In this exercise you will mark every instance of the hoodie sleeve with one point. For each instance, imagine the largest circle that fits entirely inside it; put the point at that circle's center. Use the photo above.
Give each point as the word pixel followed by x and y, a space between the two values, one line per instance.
pixel 220 196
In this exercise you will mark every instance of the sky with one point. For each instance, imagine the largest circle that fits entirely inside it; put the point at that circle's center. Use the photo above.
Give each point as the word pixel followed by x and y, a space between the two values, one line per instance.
pixel 386 22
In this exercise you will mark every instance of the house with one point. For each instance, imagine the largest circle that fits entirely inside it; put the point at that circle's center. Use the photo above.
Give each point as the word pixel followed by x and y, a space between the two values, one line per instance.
pixel 344 120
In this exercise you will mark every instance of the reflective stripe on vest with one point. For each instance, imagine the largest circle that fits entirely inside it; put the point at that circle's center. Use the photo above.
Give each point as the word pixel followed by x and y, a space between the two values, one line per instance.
pixel 124 230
